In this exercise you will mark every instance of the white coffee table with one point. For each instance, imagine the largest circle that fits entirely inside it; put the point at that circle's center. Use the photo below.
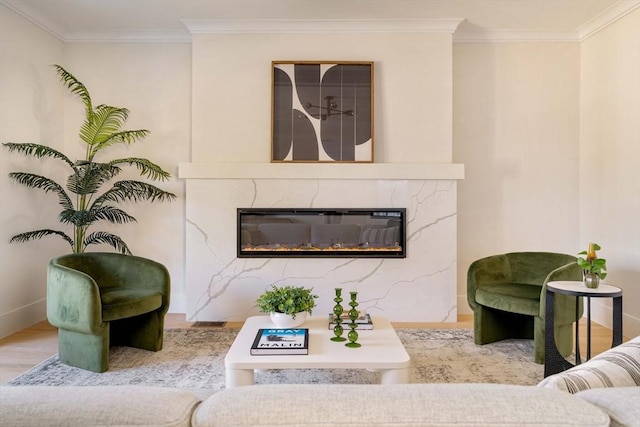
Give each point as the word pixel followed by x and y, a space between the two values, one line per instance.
pixel 381 351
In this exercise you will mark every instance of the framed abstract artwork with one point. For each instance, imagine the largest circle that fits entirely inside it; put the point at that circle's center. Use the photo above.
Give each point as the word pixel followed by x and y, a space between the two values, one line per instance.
pixel 322 111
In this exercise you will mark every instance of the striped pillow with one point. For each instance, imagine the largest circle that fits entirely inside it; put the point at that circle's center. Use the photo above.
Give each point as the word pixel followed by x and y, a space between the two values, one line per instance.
pixel 618 367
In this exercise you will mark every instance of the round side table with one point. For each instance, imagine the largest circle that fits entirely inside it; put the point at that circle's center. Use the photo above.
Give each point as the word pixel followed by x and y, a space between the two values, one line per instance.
pixel 553 360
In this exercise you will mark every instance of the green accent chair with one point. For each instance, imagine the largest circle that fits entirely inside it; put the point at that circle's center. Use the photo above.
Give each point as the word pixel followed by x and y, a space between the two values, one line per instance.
pixel 507 295
pixel 98 300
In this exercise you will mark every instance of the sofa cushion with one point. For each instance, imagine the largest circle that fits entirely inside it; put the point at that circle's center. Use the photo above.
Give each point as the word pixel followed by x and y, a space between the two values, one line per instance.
pixel 395 405
pixel 519 298
pixel 96 406
pixel 622 404
pixel 617 367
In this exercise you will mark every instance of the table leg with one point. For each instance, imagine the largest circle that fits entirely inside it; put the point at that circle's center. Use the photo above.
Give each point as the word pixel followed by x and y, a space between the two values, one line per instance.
pixel 394 376
pixel 588 328
pixel 577 331
pixel 617 321
pixel 238 377
pixel 553 360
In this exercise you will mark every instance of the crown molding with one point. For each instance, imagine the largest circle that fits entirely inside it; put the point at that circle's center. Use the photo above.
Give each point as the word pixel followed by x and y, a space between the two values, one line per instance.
pixel 330 26
pixel 129 37
pixel 591 27
pixel 45 23
pixel 514 36
pixel 38 20
pixel 606 18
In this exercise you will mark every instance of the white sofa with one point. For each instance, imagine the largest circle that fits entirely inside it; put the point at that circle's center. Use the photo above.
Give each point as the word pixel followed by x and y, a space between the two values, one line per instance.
pixel 298 405
pixel 611 398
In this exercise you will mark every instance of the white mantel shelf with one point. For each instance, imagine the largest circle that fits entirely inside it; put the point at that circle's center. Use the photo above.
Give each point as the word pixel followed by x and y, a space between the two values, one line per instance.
pixel 367 171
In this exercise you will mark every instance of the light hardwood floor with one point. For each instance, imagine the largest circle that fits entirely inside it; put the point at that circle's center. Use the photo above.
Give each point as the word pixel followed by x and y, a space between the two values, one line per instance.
pixel 23 350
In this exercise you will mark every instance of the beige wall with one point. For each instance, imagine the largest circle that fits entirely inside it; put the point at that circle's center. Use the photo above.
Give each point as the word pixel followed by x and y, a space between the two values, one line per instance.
pixel 232 94
pixel 152 80
pixel 30 100
pixel 529 120
pixel 610 159
pixel 549 134
pixel 516 129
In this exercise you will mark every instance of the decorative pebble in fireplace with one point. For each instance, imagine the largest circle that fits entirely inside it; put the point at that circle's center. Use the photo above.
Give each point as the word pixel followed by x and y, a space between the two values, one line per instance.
pixel 296 233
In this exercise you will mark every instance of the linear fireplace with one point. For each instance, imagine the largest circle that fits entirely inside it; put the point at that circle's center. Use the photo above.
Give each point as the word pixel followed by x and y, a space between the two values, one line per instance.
pixel 296 233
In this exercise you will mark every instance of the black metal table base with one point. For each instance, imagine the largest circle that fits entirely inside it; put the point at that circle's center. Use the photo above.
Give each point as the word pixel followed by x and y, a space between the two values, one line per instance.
pixel 554 362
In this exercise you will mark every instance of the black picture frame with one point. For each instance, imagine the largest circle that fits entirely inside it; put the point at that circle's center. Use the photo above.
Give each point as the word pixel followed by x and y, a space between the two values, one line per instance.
pixel 322 111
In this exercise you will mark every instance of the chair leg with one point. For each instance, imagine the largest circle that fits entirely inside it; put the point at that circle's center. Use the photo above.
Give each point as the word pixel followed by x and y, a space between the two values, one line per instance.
pixel 145 331
pixel 492 325
pixel 85 351
pixel 487 327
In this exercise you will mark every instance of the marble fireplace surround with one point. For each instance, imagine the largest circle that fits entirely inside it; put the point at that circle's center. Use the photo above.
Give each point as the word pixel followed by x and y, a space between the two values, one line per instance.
pixel 418 288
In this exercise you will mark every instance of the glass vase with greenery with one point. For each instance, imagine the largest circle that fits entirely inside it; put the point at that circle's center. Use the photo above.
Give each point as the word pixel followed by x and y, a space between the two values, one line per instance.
pixel 591 264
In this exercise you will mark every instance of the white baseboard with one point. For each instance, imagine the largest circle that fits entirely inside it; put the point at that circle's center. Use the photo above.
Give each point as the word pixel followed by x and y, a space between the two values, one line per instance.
pixel 23 317
pixel 602 313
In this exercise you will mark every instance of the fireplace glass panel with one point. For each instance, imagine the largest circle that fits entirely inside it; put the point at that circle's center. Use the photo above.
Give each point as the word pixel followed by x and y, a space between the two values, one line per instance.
pixel 267 233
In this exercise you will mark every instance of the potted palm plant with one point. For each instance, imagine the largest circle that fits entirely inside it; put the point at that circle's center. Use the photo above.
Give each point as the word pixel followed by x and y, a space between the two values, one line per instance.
pixel 594 268
pixel 82 203
pixel 288 306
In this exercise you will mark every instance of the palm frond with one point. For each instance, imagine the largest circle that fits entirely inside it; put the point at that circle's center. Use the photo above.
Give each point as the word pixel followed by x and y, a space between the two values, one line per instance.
pixel 134 191
pixel 124 137
pixel 103 122
pixel 38 234
pixel 76 87
pixel 90 176
pixel 146 168
pixel 102 237
pixel 86 218
pixel 37 150
pixel 77 218
pixel 43 183
pixel 113 215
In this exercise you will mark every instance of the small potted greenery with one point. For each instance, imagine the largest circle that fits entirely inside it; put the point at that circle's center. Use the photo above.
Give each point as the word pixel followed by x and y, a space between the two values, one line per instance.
pixel 288 306
pixel 594 268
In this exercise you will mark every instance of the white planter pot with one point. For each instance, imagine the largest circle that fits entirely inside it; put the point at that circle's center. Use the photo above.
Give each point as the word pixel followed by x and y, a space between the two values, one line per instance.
pixel 282 320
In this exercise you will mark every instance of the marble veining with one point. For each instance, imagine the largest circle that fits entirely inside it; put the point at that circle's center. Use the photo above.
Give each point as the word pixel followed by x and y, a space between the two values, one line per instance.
pixel 420 287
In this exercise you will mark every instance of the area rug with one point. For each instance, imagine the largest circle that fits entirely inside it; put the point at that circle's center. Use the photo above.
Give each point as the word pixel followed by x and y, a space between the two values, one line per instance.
pixel 193 358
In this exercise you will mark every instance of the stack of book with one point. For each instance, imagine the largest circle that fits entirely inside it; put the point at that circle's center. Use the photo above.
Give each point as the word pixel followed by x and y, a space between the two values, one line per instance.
pixel 363 321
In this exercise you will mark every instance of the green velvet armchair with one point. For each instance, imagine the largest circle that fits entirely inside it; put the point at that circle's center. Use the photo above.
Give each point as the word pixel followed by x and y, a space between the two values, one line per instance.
pixel 507 295
pixel 97 300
